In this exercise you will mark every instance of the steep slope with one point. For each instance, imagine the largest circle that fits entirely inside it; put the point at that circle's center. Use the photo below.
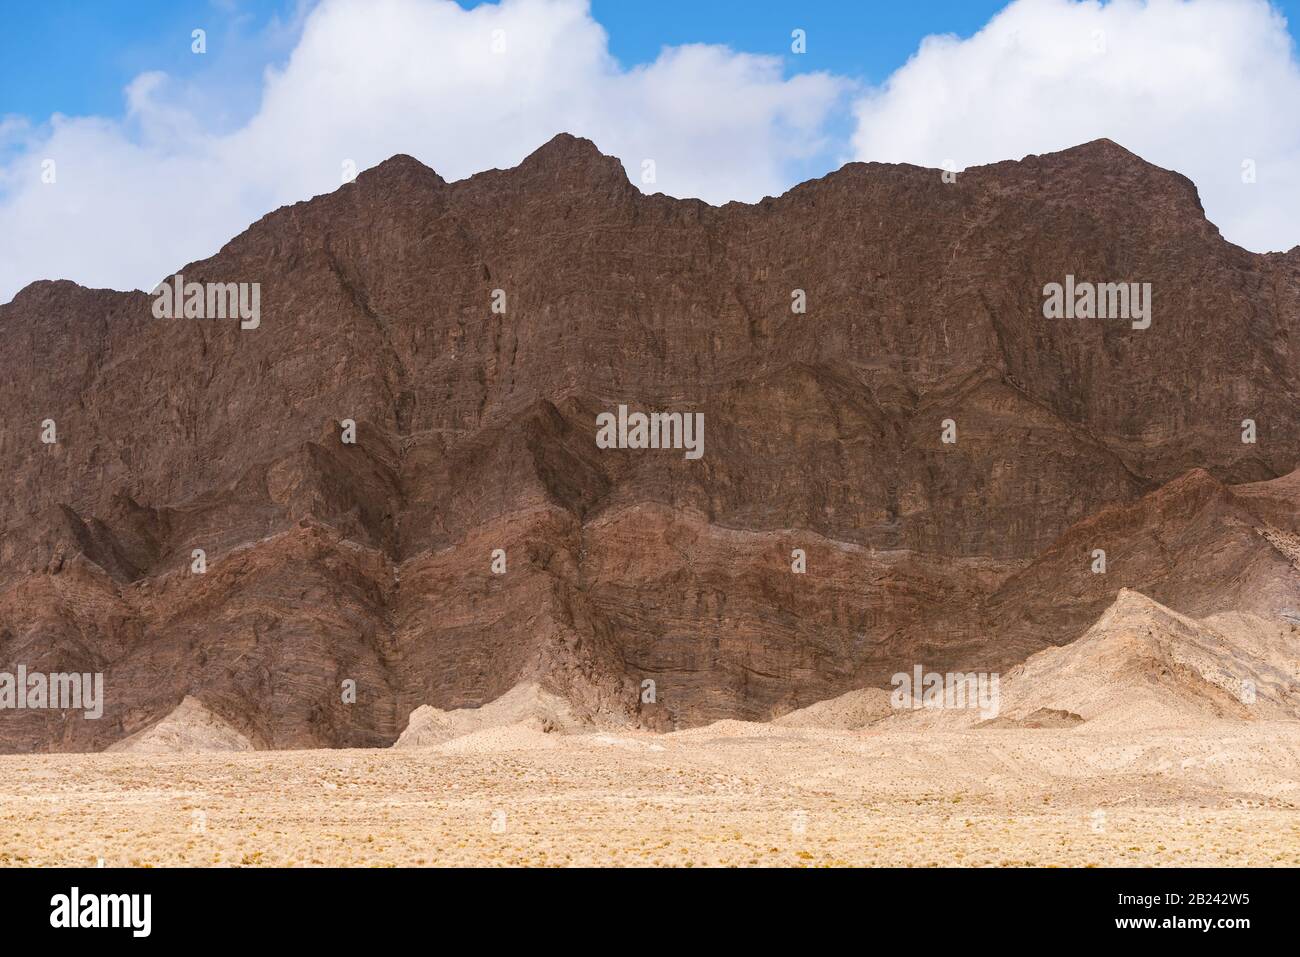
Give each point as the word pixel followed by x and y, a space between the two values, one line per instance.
pixel 1195 545
pixel 1143 665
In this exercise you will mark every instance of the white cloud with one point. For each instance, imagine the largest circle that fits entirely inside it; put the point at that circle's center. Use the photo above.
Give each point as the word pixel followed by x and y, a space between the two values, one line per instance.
pixel 1199 86
pixel 1194 85
pixel 136 199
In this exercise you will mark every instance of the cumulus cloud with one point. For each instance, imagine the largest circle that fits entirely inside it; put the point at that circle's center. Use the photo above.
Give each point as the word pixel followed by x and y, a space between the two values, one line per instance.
pixel 1199 86
pixel 462 90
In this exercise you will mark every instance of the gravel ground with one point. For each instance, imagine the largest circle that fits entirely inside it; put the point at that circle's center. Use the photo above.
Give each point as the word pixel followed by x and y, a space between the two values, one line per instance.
pixel 734 794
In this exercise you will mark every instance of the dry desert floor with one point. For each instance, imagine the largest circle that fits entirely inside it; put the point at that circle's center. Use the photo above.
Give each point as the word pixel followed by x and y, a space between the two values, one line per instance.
pixel 732 794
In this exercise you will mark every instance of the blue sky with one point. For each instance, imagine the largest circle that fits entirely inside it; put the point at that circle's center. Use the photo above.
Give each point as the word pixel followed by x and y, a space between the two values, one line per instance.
pixel 75 57
pixel 110 125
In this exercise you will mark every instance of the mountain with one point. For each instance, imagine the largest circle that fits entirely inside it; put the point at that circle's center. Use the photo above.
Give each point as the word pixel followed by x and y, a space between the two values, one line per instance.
pixel 474 331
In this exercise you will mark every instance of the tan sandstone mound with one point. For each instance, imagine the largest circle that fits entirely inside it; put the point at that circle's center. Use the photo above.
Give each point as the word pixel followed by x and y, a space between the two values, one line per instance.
pixel 1144 665
pixel 189 729
pixel 523 716
pixel 1042 718
pixel 727 729
pixel 848 712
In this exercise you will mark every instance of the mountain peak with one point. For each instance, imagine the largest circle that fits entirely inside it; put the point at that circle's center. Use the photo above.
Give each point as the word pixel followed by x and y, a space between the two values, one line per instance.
pixel 566 154
pixel 1102 146
pixel 402 167
pixel 567 146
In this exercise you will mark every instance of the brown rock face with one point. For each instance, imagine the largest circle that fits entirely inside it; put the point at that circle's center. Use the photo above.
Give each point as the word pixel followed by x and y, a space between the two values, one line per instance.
pixel 474 331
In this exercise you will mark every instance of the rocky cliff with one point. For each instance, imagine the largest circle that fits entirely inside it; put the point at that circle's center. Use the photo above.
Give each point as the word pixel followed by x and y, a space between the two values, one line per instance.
pixel 946 458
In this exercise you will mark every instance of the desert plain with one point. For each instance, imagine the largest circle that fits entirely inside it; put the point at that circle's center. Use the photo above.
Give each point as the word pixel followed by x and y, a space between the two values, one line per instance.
pixel 732 794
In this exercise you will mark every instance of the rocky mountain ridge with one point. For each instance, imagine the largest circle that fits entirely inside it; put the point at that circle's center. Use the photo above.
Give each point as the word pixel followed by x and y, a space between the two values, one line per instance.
pixel 372 562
